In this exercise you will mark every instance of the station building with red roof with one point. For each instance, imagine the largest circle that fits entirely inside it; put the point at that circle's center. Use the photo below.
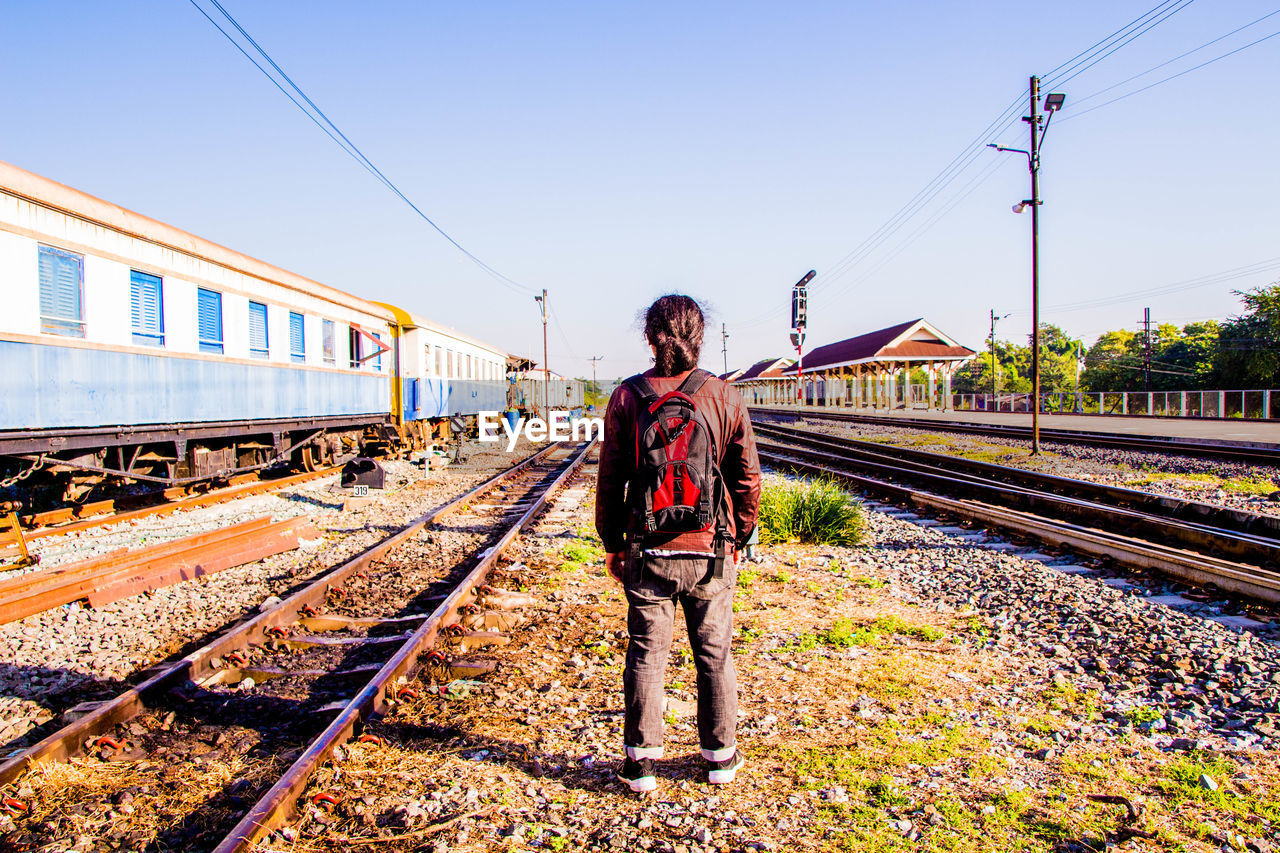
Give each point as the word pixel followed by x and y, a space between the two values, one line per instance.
pixel 871 370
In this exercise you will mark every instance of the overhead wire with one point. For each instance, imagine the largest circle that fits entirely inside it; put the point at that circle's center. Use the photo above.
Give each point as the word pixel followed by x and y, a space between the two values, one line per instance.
pixel 1075 115
pixel 341 138
pixel 1220 277
pixel 1075 102
pixel 961 162
pixel 1103 53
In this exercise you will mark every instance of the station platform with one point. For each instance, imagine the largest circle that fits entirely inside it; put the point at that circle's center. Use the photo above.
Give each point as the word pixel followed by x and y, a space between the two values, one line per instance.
pixel 1250 431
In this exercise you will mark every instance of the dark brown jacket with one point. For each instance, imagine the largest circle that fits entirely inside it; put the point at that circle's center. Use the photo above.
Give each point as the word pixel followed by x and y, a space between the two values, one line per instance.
pixel 735 444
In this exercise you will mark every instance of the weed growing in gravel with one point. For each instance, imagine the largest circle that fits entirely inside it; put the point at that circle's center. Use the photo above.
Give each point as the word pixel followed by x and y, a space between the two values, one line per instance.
pixel 844 633
pixel 818 512
pixel 747 577
pixel 1251 486
pixel 1143 714
pixel 581 552
pixel 781 577
pixel 1181 783
pixel 867 582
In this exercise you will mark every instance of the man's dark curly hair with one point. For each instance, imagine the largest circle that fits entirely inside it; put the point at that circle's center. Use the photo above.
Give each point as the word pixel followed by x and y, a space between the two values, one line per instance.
pixel 674 324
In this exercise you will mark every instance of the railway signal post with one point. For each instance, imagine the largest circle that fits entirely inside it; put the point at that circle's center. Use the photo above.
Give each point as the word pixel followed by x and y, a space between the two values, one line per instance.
pixel 800 319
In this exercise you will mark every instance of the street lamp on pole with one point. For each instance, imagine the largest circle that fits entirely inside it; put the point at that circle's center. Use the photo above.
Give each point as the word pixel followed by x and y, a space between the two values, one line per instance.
pixel 546 368
pixel 1052 103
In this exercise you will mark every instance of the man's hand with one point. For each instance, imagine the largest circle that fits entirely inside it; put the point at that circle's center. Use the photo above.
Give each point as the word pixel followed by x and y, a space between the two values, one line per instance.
pixel 613 564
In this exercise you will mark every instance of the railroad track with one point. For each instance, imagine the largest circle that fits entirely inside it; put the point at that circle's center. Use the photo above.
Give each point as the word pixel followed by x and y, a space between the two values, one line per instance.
pixel 287 686
pixel 1198 543
pixel 1238 451
pixel 100 513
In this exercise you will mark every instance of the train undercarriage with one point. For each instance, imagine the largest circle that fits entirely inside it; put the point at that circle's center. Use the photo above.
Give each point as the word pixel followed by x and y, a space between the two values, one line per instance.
pixel 48 467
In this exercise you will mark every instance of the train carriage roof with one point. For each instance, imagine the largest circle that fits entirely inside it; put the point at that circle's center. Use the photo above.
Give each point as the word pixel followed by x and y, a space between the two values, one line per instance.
pixel 409 320
pixel 72 202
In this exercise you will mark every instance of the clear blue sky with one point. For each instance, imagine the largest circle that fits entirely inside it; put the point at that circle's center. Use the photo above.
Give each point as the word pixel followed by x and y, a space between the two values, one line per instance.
pixel 611 152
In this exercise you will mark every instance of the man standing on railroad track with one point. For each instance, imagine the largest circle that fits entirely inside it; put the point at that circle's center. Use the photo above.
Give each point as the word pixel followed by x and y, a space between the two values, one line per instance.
pixel 677 494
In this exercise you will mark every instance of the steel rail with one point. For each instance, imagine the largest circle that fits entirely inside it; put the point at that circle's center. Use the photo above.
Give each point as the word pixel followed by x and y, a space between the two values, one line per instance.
pixel 1262 531
pixel 1258 453
pixel 1126 550
pixel 68 741
pixel 278 805
pixel 206 499
pixel 1204 539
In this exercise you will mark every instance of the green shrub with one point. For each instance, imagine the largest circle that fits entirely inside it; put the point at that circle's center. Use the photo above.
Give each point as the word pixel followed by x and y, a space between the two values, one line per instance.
pixel 817 512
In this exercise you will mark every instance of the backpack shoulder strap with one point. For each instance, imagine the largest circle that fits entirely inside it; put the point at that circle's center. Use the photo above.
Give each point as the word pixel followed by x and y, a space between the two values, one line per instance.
pixel 642 387
pixel 694 382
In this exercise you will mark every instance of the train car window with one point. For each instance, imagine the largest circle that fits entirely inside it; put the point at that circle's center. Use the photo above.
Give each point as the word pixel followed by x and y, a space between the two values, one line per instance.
pixel 448 363
pixel 329 341
pixel 355 349
pixel 439 362
pixel 61 292
pixel 377 359
pixel 297 338
pixel 209 320
pixel 146 308
pixel 469 376
pixel 258 330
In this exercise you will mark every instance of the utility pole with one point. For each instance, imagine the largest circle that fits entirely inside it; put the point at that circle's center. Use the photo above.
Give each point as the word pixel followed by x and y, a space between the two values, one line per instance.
pixel 594 384
pixel 1052 103
pixel 1146 350
pixel 995 368
pixel 546 369
pixel 1034 121
pixel 724 346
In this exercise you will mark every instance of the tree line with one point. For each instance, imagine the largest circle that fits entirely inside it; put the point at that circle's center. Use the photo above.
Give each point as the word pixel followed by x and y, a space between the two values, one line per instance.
pixel 1242 352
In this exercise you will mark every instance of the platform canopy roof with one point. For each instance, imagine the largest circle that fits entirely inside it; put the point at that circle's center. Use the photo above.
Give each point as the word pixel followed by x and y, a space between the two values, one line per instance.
pixel 914 340
pixel 769 368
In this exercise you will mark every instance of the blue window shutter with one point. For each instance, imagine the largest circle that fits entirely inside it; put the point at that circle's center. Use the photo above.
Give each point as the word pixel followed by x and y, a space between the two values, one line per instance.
pixel 61 291
pixel 297 337
pixel 210 320
pixel 258 329
pixel 146 308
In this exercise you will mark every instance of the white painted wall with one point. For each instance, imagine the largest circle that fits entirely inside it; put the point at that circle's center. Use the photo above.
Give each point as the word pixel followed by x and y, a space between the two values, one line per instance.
pixel 19 284
pixel 107 310
pixel 179 315
pixel 235 325
pixel 278 332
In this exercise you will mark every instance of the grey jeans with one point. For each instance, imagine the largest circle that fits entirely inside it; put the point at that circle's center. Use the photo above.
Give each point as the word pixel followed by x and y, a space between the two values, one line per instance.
pixel 652 595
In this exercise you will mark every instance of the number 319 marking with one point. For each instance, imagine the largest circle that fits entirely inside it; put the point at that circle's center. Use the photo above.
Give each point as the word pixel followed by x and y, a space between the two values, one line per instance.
pixel 360 491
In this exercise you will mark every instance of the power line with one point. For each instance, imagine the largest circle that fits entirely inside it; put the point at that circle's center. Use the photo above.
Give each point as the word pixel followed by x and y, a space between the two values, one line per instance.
pixel 1075 102
pixel 969 154
pixel 1139 32
pixel 1170 77
pixel 1049 74
pixel 1206 280
pixel 341 138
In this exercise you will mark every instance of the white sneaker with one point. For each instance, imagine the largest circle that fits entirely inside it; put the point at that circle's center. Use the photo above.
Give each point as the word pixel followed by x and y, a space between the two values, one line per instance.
pixel 723 772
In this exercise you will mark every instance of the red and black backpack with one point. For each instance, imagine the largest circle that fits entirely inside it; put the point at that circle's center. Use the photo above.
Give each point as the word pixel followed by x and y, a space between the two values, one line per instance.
pixel 677 486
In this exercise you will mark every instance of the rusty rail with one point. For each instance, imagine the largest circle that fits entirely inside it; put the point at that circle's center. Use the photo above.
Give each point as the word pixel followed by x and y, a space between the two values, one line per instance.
pixel 46 523
pixel 69 740
pixel 278 805
pixel 1257 453
pixel 1125 550
pixel 1218 531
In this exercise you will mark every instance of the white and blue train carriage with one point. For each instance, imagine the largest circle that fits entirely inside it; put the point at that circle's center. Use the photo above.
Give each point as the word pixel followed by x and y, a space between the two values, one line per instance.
pixel 444 372
pixel 134 350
